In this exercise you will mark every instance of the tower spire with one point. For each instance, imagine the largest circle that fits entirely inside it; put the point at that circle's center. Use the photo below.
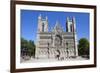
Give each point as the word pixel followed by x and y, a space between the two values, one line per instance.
pixel 42 24
pixel 67 24
pixel 46 18
pixel 40 17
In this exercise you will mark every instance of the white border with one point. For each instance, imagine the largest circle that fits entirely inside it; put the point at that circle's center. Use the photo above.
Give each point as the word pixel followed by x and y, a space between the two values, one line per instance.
pixel 51 64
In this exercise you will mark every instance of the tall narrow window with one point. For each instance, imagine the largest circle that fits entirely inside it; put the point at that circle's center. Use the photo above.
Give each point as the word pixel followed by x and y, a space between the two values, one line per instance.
pixel 71 28
pixel 42 27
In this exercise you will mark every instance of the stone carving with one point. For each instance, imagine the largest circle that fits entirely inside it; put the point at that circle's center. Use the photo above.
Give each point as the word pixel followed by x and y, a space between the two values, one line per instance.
pixel 56 43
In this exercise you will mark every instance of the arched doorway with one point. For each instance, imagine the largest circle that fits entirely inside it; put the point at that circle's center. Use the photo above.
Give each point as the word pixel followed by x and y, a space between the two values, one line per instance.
pixel 58 44
pixel 58 41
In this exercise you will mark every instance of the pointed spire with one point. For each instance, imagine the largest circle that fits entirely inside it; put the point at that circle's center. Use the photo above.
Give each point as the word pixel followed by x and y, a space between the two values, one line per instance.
pixel 40 17
pixel 67 19
pixel 74 24
pixel 57 23
pixel 46 18
pixel 73 19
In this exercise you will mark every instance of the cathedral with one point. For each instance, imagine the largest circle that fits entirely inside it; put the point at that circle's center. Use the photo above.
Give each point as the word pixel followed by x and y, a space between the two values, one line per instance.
pixel 57 42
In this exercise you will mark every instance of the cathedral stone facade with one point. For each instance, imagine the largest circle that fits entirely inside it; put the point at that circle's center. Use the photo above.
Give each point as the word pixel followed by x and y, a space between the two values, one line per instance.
pixel 57 42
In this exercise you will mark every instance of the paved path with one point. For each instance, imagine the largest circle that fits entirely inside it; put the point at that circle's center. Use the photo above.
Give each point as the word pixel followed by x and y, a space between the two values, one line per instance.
pixel 50 60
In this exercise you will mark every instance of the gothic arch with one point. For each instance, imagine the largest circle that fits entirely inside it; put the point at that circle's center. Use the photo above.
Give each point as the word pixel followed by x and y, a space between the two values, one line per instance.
pixel 58 40
pixel 42 27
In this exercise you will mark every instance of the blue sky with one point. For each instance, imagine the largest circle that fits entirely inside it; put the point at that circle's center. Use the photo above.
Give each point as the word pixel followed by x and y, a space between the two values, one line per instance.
pixel 29 21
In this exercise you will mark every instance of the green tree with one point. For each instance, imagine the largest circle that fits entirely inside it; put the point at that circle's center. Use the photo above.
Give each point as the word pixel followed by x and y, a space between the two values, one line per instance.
pixel 83 46
pixel 24 43
pixel 29 45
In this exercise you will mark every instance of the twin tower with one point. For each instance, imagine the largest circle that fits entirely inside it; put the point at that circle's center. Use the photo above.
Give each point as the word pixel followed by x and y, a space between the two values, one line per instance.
pixel 56 37
pixel 43 24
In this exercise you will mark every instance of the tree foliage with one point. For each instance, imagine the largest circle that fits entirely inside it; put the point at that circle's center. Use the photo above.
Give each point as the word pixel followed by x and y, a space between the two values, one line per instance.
pixel 29 46
pixel 83 46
